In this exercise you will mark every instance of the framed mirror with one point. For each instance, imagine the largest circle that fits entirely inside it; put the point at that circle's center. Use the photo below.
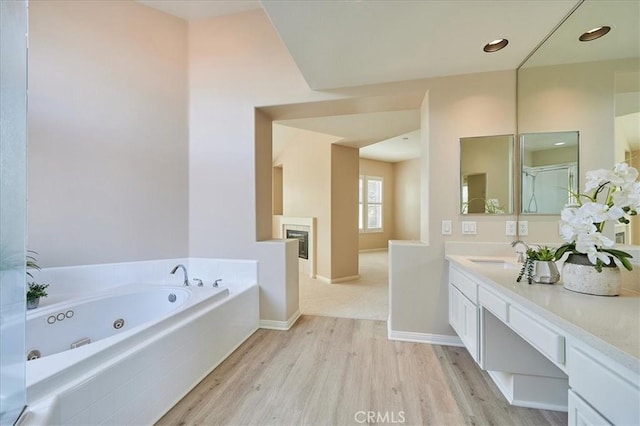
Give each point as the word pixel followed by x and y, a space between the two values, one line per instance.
pixel 589 86
pixel 486 175
pixel 548 171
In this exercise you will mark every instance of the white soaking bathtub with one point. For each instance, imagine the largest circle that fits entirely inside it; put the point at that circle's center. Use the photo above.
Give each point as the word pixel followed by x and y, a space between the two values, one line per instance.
pixel 67 326
pixel 128 355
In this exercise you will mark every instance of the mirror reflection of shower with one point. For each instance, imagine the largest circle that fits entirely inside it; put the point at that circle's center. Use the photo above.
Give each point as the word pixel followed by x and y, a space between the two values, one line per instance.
pixel 555 187
pixel 549 174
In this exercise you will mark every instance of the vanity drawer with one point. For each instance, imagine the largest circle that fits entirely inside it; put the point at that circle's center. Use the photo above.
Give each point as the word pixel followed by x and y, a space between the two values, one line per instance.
pixel 614 396
pixel 543 338
pixel 582 414
pixel 463 283
pixel 494 303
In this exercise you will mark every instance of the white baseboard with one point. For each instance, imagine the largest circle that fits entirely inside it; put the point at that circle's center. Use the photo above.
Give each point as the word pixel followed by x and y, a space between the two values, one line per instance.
pixel 434 339
pixel 336 280
pixel 280 325
pixel 373 250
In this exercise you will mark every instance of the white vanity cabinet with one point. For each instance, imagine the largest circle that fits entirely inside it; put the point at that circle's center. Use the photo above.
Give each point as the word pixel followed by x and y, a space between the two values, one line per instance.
pixel 608 389
pixel 463 310
pixel 537 360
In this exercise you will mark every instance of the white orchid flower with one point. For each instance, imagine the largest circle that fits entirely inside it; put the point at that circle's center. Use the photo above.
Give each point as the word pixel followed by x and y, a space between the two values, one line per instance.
pixel 581 225
pixel 588 244
pixel 575 222
pixel 595 178
pixel 628 196
pixel 624 174
pixel 596 211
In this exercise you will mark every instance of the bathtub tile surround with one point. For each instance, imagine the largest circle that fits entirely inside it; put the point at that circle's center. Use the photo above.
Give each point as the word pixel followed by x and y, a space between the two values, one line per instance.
pixel 136 376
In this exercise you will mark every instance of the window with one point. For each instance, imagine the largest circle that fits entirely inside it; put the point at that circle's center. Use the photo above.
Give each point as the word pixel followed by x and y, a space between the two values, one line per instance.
pixel 370 206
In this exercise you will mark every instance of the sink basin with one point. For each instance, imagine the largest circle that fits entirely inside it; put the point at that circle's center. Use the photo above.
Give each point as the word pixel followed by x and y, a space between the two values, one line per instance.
pixel 495 263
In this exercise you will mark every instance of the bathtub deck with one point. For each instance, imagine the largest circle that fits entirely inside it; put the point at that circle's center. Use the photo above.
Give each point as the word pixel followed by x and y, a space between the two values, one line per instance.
pixel 326 370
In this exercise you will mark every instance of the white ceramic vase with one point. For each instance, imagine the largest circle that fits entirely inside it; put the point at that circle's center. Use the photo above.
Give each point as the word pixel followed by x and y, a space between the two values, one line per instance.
pixel 580 275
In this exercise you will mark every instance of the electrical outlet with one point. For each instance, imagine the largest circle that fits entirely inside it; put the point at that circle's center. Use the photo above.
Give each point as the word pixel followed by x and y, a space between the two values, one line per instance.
pixel 446 227
pixel 468 228
pixel 510 229
pixel 523 228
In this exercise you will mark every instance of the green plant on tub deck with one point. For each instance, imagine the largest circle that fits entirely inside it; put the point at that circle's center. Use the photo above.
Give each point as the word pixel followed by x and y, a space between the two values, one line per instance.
pixel 614 198
pixel 34 290
pixel 540 254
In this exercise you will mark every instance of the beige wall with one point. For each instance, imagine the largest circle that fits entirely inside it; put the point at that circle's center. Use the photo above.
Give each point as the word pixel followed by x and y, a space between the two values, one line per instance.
pixel 320 180
pixel 572 97
pixel 306 183
pixel 454 107
pixel 107 133
pixel 379 240
pixel 236 64
pixel 406 211
pixel 344 212
pixel 277 190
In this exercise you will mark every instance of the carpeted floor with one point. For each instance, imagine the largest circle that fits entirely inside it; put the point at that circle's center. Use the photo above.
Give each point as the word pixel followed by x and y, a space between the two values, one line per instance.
pixel 364 298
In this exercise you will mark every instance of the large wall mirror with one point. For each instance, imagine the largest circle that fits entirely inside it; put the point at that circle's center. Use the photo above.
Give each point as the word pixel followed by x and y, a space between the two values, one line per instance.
pixel 548 171
pixel 592 87
pixel 486 171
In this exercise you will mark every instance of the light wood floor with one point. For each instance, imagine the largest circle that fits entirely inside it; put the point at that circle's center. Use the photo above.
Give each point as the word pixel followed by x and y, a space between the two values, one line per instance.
pixel 326 370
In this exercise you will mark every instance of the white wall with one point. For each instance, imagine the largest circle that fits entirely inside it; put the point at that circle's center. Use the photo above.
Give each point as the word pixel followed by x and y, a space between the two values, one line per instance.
pixel 107 133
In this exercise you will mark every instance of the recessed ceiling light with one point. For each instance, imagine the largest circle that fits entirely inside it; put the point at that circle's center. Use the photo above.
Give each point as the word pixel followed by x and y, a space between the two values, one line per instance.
pixel 559 143
pixel 594 33
pixel 495 45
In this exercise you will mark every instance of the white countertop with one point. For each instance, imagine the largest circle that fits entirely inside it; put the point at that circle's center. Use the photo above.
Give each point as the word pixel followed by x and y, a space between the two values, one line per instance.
pixel 610 325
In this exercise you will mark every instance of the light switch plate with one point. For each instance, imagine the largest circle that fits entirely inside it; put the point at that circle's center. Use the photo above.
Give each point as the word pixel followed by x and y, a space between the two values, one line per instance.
pixel 510 229
pixel 468 228
pixel 523 228
pixel 446 227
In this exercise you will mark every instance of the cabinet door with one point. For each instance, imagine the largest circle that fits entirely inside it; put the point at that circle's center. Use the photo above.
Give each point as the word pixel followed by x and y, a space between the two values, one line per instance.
pixel 582 414
pixel 463 317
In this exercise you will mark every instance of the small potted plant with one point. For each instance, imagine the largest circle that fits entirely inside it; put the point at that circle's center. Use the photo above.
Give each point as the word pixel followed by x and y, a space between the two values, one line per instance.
pixel 540 266
pixel 34 290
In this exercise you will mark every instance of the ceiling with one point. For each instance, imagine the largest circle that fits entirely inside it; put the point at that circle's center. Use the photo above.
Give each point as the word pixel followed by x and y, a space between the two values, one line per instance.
pixel 338 44
pixel 193 10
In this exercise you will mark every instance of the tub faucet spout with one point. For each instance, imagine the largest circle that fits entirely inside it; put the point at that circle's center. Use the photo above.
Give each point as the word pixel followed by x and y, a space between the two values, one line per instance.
pixel 184 270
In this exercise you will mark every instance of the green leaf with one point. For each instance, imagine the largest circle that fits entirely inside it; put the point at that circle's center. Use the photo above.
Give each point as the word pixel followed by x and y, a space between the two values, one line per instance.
pixel 562 250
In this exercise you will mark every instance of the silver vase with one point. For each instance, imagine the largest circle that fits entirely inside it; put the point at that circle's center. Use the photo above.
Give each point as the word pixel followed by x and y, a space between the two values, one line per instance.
pixel 545 272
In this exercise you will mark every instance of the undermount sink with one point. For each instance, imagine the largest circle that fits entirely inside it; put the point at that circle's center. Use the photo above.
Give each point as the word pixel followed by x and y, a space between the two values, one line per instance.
pixel 495 263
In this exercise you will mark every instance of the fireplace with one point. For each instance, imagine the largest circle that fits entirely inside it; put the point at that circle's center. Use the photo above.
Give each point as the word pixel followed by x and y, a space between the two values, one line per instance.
pixel 302 229
pixel 303 242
